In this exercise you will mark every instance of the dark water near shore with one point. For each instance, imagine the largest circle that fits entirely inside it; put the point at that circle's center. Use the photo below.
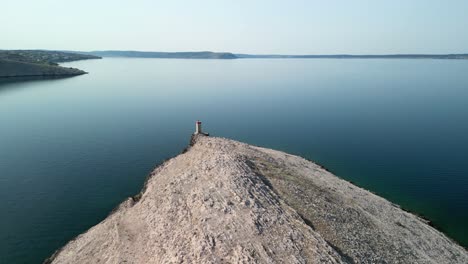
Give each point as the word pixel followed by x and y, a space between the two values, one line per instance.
pixel 72 149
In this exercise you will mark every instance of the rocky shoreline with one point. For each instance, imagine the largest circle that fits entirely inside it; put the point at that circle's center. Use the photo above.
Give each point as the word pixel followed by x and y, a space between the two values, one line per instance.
pixel 38 64
pixel 222 201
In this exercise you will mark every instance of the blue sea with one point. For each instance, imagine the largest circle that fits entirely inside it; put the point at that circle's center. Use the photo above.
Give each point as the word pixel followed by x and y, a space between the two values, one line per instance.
pixel 72 149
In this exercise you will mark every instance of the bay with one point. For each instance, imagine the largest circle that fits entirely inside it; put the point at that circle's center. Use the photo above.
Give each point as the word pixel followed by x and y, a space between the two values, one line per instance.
pixel 72 149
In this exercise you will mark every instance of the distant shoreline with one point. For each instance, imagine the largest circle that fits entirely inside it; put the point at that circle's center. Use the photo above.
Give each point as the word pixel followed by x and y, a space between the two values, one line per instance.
pixel 43 75
pixel 347 56
pixel 229 55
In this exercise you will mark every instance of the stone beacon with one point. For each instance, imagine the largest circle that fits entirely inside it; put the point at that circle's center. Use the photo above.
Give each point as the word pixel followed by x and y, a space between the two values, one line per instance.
pixel 198 129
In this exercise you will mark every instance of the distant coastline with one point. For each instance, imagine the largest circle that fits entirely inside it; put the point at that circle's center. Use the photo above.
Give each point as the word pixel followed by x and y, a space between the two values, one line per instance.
pixel 160 55
pixel 44 63
pixel 229 55
pixel 348 56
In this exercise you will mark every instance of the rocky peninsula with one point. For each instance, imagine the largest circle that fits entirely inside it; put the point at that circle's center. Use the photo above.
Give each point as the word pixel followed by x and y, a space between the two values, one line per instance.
pixel 39 63
pixel 222 201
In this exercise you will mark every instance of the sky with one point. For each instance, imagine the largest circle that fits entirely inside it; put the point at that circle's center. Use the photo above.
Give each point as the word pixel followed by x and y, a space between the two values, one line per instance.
pixel 240 26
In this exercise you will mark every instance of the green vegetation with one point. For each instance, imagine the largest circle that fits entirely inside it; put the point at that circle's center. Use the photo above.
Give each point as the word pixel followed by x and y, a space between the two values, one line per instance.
pixel 40 63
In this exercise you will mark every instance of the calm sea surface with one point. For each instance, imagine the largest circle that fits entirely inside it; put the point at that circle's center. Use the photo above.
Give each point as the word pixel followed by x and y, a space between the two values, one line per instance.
pixel 72 149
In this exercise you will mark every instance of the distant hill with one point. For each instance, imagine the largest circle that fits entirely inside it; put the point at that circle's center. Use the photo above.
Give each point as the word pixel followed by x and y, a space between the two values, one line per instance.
pixel 41 63
pixel 163 55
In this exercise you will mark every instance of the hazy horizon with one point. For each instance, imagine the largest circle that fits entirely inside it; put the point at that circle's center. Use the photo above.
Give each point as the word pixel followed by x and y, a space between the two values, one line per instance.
pixel 261 27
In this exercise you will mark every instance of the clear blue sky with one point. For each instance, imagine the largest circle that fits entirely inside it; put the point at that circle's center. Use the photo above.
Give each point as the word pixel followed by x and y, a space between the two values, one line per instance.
pixel 241 26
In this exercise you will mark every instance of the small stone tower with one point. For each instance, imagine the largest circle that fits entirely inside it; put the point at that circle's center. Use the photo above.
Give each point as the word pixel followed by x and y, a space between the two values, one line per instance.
pixel 198 129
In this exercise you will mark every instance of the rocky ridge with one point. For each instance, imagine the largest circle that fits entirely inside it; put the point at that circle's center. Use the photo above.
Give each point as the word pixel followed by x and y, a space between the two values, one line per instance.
pixel 223 201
